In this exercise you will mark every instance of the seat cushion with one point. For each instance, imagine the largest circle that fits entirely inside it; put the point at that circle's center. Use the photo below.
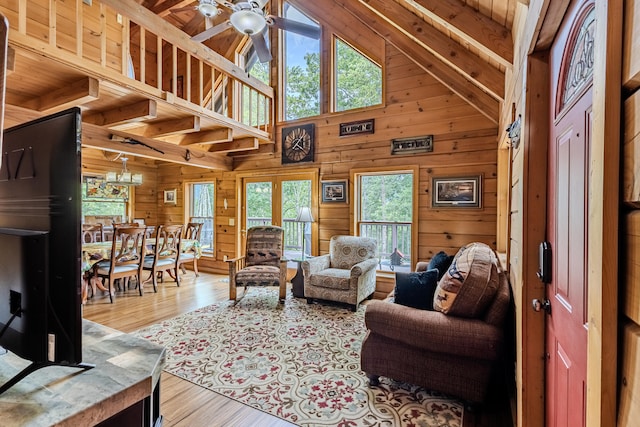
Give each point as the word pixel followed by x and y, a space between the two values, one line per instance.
pixel 103 268
pixel 470 283
pixel 416 289
pixel 258 275
pixel 332 278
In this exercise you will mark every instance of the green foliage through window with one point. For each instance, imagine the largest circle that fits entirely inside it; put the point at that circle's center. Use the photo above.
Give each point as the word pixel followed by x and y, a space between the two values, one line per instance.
pixel 358 79
pixel 302 70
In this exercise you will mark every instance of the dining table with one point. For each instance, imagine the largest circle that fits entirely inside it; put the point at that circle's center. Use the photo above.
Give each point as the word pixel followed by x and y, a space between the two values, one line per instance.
pixel 100 251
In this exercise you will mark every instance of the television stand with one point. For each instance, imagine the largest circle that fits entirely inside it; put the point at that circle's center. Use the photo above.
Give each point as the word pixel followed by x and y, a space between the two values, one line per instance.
pixel 39 365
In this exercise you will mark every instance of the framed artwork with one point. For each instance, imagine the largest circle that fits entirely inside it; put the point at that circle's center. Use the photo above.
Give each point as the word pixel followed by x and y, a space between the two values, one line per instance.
pixel 98 188
pixel 334 191
pixel 457 192
pixel 170 196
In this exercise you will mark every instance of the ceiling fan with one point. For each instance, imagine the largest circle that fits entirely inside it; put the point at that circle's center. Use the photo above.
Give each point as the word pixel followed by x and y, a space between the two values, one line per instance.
pixel 248 17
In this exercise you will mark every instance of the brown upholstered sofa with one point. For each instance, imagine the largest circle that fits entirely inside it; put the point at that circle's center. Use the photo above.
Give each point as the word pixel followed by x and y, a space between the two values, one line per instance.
pixel 442 352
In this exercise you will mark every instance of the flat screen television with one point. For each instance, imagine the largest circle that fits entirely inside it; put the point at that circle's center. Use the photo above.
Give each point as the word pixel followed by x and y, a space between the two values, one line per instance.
pixel 40 249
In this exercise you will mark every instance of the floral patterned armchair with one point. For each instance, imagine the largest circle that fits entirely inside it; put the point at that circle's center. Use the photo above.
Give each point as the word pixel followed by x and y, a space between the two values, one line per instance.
pixel 347 274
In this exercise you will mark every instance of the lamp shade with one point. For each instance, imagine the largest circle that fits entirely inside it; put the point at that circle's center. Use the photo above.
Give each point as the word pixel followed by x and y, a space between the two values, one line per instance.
pixel 247 21
pixel 304 215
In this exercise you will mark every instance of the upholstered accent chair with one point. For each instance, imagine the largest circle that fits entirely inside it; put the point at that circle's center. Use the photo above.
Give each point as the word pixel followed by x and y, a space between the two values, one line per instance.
pixel 263 264
pixel 346 274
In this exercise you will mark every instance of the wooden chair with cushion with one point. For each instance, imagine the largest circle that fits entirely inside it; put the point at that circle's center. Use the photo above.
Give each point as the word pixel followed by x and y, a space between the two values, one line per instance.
pixel 165 254
pixel 127 257
pixel 192 231
pixel 263 263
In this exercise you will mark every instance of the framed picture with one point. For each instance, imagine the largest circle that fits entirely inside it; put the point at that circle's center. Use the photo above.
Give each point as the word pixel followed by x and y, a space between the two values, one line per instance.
pixel 170 196
pixel 334 191
pixel 457 191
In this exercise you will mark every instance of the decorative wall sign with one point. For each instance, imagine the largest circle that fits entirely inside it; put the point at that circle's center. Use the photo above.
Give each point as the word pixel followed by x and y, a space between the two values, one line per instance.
pixel 456 192
pixel 420 144
pixel 354 128
pixel 334 191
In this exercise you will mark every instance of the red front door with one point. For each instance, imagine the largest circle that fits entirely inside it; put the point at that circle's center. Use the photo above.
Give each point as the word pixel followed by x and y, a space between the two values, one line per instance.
pixel 566 327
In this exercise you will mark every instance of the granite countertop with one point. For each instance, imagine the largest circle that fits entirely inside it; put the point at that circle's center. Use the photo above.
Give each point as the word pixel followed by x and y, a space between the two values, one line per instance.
pixel 126 371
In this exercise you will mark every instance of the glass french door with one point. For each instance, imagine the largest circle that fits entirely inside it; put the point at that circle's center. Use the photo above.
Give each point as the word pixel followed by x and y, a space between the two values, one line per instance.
pixel 277 200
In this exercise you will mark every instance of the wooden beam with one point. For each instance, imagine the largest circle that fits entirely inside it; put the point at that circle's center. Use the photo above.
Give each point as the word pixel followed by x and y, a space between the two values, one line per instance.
pixel 167 127
pixel 77 93
pixel 136 112
pixel 242 144
pixel 474 28
pixel 203 137
pixel 453 54
pixel 98 137
pixel 458 84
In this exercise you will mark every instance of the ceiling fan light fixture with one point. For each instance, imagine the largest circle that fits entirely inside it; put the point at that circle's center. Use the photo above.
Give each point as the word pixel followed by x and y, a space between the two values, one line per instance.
pixel 248 21
pixel 258 4
pixel 208 8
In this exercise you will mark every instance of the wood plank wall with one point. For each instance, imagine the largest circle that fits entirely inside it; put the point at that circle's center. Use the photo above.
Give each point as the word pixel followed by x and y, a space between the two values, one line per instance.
pixel 465 143
pixel 629 404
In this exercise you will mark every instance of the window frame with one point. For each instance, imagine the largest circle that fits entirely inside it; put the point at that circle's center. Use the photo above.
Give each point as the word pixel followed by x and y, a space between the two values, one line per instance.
pixel 355 175
pixel 188 196
pixel 333 89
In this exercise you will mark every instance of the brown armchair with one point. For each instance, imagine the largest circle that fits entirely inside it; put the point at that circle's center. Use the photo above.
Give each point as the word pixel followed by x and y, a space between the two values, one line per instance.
pixel 443 352
pixel 263 263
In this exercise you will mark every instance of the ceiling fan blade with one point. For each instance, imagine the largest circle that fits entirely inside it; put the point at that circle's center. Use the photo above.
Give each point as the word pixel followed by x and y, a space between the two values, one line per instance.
pixel 260 45
pixel 213 31
pixel 295 27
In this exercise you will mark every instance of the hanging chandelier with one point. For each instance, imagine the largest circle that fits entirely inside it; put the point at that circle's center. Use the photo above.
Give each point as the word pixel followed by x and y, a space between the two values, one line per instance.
pixel 124 177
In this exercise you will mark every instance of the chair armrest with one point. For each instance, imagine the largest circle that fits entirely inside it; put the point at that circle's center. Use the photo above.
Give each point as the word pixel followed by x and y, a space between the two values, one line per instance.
pixel 315 264
pixel 434 331
pixel 363 267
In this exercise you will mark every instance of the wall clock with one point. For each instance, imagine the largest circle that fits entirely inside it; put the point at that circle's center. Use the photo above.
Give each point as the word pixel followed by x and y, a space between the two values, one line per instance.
pixel 297 143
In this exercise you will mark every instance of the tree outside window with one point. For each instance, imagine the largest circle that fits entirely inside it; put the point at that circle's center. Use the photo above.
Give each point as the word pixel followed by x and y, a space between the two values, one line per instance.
pixel 358 79
pixel 201 209
pixel 302 70
pixel 385 214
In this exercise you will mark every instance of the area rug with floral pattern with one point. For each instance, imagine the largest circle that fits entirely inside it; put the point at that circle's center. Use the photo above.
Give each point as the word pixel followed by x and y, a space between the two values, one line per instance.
pixel 297 361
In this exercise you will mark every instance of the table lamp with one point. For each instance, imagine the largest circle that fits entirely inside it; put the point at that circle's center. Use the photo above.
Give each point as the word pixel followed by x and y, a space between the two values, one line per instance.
pixel 304 215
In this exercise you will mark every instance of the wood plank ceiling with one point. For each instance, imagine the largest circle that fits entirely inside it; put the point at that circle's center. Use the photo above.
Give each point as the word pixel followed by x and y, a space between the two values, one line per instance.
pixel 466 45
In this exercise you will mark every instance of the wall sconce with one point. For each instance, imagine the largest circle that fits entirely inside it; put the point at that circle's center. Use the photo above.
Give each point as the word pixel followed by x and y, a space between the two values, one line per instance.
pixel 513 132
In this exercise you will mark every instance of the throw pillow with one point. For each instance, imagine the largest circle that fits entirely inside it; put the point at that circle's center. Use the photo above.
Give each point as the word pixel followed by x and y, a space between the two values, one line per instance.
pixel 470 283
pixel 416 289
pixel 441 261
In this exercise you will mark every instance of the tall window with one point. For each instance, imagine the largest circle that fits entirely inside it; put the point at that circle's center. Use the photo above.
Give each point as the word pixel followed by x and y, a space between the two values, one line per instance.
pixel 201 209
pixel 385 213
pixel 301 70
pixel 358 81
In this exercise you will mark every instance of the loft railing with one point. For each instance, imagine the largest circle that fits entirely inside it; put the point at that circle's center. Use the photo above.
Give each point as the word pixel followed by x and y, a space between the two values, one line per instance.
pixel 124 43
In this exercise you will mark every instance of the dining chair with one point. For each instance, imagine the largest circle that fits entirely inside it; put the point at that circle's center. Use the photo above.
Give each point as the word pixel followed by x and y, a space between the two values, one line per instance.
pixel 126 258
pixel 192 231
pixel 92 233
pixel 165 255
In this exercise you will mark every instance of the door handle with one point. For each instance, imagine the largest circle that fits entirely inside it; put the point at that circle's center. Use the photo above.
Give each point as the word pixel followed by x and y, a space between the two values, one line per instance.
pixel 541 305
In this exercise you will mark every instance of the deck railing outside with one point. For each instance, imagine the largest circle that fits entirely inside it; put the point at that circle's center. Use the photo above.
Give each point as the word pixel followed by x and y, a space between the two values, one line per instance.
pixel 390 236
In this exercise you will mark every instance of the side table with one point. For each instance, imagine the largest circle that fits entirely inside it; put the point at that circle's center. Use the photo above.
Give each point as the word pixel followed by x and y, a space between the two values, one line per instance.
pixel 297 282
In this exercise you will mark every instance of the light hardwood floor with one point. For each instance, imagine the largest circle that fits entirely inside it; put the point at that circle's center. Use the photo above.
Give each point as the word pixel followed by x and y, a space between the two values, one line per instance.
pixel 182 403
